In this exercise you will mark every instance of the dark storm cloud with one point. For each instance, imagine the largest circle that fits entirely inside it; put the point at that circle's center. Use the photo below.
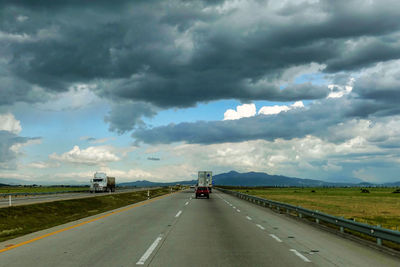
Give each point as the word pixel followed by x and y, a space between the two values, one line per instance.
pixel 180 53
pixel 295 123
pixel 8 155
pixel 124 117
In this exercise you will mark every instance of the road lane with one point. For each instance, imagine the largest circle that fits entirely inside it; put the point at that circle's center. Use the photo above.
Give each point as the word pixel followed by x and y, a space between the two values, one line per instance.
pixel 211 233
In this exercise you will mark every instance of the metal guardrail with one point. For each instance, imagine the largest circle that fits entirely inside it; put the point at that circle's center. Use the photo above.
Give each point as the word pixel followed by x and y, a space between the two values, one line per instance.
pixel 370 230
pixel 40 193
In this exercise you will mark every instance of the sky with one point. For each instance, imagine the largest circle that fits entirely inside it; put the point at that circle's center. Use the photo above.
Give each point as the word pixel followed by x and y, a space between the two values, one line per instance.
pixel 158 90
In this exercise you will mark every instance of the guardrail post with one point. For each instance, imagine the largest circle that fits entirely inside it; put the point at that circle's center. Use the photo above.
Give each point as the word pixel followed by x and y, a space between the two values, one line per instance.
pixel 270 206
pixel 9 200
pixel 341 229
pixel 278 208
pixel 378 240
pixel 300 215
pixel 317 220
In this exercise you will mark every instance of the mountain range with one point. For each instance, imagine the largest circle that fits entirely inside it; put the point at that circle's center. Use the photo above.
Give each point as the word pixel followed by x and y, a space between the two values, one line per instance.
pixel 235 179
pixel 263 179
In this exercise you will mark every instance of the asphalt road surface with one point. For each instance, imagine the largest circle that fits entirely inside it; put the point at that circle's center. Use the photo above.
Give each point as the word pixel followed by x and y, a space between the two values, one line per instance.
pixel 33 199
pixel 178 230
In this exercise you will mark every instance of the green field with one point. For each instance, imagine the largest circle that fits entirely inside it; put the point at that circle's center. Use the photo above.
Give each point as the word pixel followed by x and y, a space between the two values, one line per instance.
pixel 20 220
pixel 379 207
pixel 39 189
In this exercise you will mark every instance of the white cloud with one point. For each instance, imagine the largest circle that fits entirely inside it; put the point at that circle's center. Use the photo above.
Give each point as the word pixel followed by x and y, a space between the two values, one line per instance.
pixel 17 147
pixel 97 155
pixel 9 175
pixel 338 91
pixel 9 123
pixel 271 110
pixel 10 37
pixel 163 174
pixel 249 110
pixel 243 111
pixel 42 164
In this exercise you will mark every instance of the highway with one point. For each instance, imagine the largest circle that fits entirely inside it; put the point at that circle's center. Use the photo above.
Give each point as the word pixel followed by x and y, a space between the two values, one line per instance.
pixel 33 199
pixel 178 230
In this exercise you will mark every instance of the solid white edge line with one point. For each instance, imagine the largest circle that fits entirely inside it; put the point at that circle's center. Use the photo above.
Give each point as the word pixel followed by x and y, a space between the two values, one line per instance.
pixel 150 250
pixel 298 254
pixel 179 213
pixel 248 218
pixel 275 237
pixel 260 226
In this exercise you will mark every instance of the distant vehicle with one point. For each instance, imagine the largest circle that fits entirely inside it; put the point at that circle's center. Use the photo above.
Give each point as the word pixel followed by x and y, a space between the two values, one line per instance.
pixel 202 191
pixel 205 179
pixel 102 183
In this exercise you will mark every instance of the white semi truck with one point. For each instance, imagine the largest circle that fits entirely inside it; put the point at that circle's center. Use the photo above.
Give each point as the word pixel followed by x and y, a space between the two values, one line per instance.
pixel 205 179
pixel 102 183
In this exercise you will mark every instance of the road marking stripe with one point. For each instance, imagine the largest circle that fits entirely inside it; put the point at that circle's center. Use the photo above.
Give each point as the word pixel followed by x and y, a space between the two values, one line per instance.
pixel 275 237
pixel 298 254
pixel 150 250
pixel 260 226
pixel 179 213
pixel 186 203
pixel 238 210
pixel 248 218
pixel 234 207
pixel 83 223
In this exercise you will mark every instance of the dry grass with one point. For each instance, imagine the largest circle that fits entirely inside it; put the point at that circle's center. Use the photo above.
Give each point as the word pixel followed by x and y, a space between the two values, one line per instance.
pixel 380 206
pixel 20 220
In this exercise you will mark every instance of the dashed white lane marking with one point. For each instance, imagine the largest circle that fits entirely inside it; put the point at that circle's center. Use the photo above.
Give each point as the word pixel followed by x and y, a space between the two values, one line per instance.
pixel 234 207
pixel 248 218
pixel 186 203
pixel 150 250
pixel 275 237
pixel 238 210
pixel 179 213
pixel 260 226
pixel 298 254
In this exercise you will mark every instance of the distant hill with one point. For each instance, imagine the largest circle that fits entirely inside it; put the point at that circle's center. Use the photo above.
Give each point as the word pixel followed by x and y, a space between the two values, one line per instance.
pixel 3 185
pixel 12 181
pixel 394 184
pixel 264 179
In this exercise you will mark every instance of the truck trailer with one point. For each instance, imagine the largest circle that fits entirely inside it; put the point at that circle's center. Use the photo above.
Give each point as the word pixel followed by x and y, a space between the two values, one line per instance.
pixel 205 179
pixel 102 183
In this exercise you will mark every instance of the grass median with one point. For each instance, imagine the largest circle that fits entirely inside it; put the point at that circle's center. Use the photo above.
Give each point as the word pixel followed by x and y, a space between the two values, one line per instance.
pixel 21 220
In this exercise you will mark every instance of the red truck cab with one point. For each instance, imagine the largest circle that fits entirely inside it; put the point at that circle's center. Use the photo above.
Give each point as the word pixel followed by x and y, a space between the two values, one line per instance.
pixel 202 191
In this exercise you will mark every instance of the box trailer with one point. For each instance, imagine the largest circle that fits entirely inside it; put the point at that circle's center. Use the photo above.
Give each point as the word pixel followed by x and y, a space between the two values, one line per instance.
pixel 205 179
